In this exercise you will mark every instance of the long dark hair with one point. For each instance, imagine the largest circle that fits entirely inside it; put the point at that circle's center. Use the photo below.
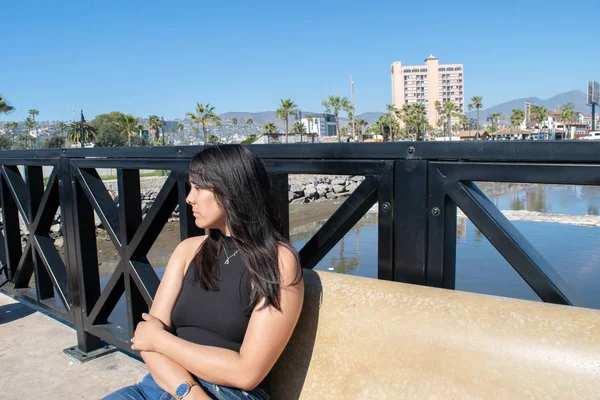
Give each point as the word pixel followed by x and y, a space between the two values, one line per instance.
pixel 242 189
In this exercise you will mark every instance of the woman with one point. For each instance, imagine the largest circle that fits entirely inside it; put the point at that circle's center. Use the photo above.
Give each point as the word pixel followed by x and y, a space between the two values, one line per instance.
pixel 228 301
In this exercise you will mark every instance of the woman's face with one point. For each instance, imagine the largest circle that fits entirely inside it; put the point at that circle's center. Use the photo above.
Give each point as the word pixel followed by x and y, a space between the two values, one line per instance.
pixel 207 214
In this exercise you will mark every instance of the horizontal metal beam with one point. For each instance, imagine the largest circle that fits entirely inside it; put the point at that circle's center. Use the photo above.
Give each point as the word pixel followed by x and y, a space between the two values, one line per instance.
pixel 137 163
pixel 563 174
pixel 340 167
pixel 569 151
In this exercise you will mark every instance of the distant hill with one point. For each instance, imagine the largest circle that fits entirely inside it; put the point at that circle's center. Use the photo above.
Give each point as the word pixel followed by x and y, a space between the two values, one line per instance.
pixel 577 97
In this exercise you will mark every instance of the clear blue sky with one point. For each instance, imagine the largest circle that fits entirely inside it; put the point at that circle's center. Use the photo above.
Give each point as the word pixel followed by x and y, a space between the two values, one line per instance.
pixel 161 57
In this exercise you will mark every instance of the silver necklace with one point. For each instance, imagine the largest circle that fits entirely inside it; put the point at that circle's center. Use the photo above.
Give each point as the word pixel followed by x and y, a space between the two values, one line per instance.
pixel 228 256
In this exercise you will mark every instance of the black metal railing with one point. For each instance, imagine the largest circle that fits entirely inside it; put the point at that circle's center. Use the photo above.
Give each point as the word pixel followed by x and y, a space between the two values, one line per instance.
pixel 417 186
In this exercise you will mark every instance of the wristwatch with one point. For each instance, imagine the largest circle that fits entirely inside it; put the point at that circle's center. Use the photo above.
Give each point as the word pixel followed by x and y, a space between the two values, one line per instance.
pixel 184 389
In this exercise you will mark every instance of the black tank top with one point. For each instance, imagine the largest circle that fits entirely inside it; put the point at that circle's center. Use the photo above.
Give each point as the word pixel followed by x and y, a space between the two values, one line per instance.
pixel 219 318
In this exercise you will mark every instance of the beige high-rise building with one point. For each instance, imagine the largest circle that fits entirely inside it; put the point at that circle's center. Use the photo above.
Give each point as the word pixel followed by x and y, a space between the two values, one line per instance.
pixel 427 84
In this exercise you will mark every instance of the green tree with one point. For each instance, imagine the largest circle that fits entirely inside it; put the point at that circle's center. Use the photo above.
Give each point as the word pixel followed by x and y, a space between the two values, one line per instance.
pixel 567 114
pixel 477 104
pixel 29 124
pixel 5 143
pixel 334 104
pixel 154 126
pixel 391 109
pixel 61 127
pixel 5 107
pixel 234 121
pixel 419 112
pixel 269 128
pixel 539 115
pixel 249 121
pixel 204 116
pixel 128 127
pixel 517 117
pixel 24 141
pixel 213 139
pixel 450 110
pixel 298 128
pixel 33 112
pixel 180 127
pixel 74 132
pixel 438 112
pixel 359 124
pixel 111 139
pixel 11 127
pixel 107 123
pixel 55 142
pixel 286 108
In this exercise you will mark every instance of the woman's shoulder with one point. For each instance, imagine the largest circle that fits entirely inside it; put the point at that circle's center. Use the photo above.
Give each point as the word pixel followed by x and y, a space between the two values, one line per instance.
pixel 187 249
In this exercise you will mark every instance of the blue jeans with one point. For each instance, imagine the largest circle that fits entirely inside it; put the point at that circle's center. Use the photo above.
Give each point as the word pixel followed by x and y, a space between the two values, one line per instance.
pixel 148 389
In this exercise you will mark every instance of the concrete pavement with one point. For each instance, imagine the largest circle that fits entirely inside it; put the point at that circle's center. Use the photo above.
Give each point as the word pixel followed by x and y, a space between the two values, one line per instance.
pixel 33 365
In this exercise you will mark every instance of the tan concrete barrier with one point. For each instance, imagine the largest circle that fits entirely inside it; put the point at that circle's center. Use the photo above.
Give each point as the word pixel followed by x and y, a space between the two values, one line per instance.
pixel 367 339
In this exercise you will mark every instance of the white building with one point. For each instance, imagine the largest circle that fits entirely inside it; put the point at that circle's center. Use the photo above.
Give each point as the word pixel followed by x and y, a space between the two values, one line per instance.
pixel 321 124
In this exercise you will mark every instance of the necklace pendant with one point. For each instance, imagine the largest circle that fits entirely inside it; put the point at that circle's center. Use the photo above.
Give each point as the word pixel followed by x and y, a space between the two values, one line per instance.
pixel 227 261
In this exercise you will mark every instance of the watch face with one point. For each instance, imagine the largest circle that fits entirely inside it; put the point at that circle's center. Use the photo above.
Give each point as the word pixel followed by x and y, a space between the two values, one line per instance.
pixel 182 390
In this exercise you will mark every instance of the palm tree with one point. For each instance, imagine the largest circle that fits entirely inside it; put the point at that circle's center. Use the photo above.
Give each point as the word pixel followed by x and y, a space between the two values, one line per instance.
pixel 477 103
pixel 234 121
pixel 10 127
pixel 470 107
pixel 61 127
pixel 567 114
pixel 495 118
pixel 286 108
pixel 5 108
pixel 420 112
pixel 128 126
pixel 517 117
pixel 205 115
pixel 33 112
pixel 360 123
pixel 391 109
pixel 298 128
pixel 249 121
pixel 539 113
pixel 269 128
pixel 438 110
pixel 74 132
pixel 154 125
pixel 335 104
pixel 29 124
pixel 180 127
pixel 450 110
pixel 213 139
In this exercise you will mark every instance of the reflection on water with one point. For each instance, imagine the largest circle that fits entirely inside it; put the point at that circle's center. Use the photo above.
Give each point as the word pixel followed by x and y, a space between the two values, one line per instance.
pixel 553 199
pixel 573 251
pixel 354 254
